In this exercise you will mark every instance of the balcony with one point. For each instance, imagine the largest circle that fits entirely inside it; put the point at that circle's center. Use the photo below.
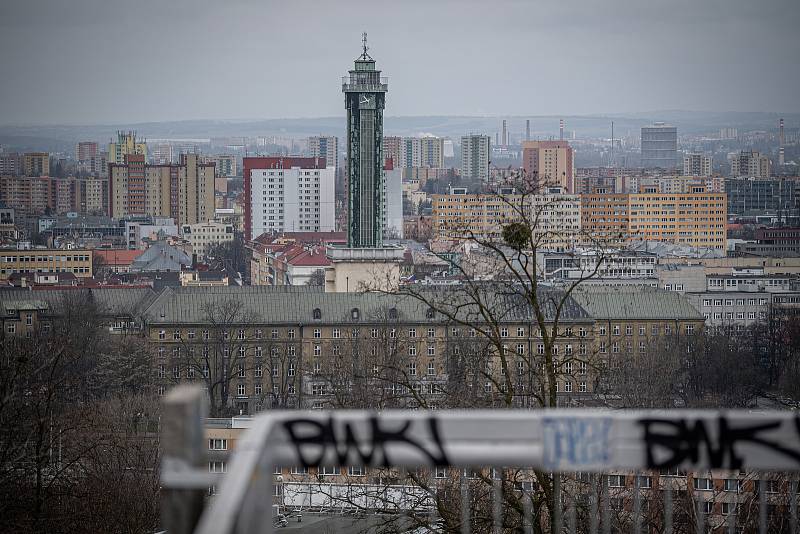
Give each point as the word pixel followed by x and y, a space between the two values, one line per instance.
pixel 354 85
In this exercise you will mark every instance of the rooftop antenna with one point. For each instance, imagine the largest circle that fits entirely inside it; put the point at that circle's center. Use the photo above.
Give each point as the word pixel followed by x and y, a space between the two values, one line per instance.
pixel 364 54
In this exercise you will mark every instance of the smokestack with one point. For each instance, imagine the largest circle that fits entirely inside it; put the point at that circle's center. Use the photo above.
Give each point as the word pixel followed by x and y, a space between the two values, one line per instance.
pixel 497 139
pixel 781 141
pixel 527 129
pixel 561 129
pixel 505 134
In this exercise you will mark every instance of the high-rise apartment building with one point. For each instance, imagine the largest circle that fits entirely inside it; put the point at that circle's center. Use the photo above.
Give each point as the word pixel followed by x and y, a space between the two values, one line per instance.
pixel 184 192
pixel 392 150
pixel 325 146
pixel 551 162
pixel 36 164
pixel 415 152
pixel 126 144
pixel 85 150
pixel 696 219
pixel 475 151
pixel 659 146
pixel 38 194
pixel 431 152
pixel 365 97
pixel 288 194
pixel 11 164
pixel 750 163
pixel 697 164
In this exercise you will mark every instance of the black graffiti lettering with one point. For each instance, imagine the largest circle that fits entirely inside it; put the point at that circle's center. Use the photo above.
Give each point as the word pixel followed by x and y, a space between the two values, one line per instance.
pixel 684 440
pixel 313 438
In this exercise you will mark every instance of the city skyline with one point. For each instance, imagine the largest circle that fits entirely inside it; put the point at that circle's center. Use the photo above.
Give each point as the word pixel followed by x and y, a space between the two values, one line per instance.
pixel 586 51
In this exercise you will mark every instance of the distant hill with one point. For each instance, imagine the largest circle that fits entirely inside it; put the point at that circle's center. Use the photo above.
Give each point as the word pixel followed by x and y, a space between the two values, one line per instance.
pixel 57 138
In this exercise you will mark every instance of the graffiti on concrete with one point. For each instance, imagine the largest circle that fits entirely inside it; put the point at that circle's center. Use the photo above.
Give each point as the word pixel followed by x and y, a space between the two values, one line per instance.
pixel 313 438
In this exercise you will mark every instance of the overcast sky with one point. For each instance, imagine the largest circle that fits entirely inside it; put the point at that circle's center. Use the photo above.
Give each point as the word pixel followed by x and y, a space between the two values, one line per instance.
pixel 107 61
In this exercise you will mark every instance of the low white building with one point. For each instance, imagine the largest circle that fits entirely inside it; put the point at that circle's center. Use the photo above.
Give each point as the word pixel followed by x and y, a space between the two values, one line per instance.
pixel 203 236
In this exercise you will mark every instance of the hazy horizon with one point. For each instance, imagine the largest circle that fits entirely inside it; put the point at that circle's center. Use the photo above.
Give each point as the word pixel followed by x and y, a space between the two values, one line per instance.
pixel 108 62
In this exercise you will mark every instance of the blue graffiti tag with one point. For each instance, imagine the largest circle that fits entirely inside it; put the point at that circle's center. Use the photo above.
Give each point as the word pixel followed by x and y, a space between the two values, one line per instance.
pixel 573 442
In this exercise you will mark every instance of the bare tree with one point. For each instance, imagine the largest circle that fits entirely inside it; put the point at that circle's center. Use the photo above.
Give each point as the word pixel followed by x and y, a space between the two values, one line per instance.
pixel 218 357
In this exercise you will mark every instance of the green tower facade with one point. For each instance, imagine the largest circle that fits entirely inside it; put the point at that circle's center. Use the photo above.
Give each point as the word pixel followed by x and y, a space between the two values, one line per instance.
pixel 365 96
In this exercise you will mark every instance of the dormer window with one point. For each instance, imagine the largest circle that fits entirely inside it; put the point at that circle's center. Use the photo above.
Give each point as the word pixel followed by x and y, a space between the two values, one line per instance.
pixel 317 314
pixel 430 313
pixel 392 313
pixel 355 314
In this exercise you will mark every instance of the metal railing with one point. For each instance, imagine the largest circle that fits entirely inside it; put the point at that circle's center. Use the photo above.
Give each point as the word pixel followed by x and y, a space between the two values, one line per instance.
pixel 581 443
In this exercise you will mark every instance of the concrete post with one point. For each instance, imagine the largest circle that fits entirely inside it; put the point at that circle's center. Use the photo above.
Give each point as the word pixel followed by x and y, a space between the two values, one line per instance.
pixel 182 441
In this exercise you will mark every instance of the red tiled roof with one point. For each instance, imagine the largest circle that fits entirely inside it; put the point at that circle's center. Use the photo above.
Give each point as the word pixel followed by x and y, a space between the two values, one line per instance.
pixel 308 258
pixel 116 256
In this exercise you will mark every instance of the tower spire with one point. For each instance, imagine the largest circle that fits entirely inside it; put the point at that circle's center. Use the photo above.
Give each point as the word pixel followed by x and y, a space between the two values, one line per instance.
pixel 364 54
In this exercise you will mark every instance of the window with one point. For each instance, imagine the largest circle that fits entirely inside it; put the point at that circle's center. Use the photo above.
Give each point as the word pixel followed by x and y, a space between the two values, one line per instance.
pixel 644 481
pixel 240 334
pixel 176 372
pixel 602 330
pixel 218 444
pixel 336 333
pixel 431 369
pixel 568 387
pixel 703 484
pixel 412 369
pixel 162 334
pixel 329 470
pixel 727 508
pixel 241 372
pixel 431 350
pixel 259 334
pixel 628 330
pixel 241 390
pixel 355 471
pixel 520 331
pixel 616 481
pixel 582 386
pixel 504 332
pixel 732 484
pixel 29 319
pixel 317 314
pixel 689 329
pixel 355 314
pixel 374 333
pixel 440 472
pixel 273 334
pixel 708 507
pixel 412 332
pixel 290 333
pixel 217 467
pixel 431 332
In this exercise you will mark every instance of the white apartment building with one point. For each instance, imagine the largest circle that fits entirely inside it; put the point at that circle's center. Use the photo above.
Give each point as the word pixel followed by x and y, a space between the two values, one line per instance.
pixel 203 236
pixel 697 165
pixel 475 151
pixel 292 200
